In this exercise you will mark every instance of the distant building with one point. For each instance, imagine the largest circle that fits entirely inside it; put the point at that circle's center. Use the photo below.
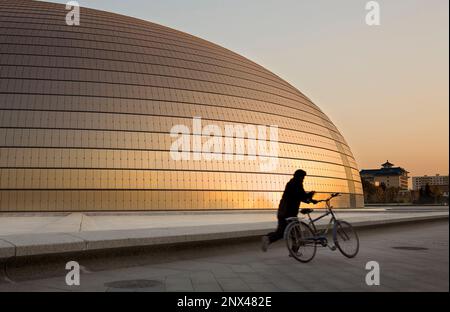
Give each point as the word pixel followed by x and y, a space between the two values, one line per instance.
pixel 388 175
pixel 437 180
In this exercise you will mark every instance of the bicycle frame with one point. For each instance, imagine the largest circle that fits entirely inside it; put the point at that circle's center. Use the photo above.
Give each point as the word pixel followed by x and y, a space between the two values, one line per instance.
pixel 328 227
pixel 318 235
pixel 327 213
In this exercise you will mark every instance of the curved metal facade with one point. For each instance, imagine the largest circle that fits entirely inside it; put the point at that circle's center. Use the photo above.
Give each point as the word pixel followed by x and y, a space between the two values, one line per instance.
pixel 86 113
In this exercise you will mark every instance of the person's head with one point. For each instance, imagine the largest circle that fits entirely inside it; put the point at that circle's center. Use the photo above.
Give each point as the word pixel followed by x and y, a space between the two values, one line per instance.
pixel 299 175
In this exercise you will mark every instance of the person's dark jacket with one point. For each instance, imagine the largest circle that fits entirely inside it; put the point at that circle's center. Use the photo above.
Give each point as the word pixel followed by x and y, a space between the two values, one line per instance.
pixel 294 193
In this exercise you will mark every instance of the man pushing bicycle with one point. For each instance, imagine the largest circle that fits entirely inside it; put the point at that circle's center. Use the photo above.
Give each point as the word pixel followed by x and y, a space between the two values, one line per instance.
pixel 294 193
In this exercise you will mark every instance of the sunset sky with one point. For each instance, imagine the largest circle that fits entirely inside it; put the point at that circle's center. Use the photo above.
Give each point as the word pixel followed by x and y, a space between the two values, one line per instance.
pixel 385 87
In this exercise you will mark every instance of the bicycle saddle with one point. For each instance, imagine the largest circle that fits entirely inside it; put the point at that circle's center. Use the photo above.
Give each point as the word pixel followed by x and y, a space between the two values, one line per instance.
pixel 306 210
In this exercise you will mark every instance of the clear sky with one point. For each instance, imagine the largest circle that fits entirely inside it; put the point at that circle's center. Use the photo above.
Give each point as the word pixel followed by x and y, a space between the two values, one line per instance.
pixel 385 87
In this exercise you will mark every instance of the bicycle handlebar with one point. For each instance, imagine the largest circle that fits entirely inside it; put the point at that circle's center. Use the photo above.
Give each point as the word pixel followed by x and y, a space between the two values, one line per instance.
pixel 333 195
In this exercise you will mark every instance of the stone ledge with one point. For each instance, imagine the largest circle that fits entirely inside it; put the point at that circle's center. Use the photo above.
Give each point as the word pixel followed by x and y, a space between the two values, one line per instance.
pixel 25 245
pixel 7 250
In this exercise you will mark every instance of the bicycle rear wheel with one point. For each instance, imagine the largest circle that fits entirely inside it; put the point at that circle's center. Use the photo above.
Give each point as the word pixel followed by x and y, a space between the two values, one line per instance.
pixel 345 238
pixel 300 241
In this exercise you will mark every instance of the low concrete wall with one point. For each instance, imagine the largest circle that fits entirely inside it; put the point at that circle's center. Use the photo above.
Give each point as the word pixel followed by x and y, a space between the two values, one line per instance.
pixel 27 245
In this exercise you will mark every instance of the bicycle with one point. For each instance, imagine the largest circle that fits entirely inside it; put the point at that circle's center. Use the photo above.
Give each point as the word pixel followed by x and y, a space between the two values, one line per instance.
pixel 303 238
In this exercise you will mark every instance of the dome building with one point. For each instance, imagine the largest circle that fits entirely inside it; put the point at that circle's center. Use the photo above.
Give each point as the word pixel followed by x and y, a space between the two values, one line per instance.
pixel 90 115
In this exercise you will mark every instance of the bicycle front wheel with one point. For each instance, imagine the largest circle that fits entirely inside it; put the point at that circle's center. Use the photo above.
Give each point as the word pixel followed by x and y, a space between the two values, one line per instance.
pixel 345 238
pixel 300 241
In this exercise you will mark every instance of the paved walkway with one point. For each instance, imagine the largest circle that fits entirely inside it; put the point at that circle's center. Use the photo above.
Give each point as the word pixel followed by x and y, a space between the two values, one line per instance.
pixel 246 268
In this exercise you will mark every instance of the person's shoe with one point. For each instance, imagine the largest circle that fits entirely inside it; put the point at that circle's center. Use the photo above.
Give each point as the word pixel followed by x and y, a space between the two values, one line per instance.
pixel 264 243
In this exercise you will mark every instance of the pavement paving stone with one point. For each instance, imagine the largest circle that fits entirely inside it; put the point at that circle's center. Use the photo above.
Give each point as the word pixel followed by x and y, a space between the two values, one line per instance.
pixel 207 287
pixel 241 268
pixel 233 284
pixel 252 277
pixel 202 277
pixel 263 287
pixel 174 283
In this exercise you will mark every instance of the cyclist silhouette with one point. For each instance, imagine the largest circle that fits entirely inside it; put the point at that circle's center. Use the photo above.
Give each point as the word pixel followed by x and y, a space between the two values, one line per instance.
pixel 294 193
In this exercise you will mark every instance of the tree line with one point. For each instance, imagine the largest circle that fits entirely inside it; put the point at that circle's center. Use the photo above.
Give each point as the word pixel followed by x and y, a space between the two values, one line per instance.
pixel 378 194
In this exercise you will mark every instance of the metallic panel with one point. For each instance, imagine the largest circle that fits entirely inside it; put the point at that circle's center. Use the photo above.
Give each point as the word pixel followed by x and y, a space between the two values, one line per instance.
pixel 86 113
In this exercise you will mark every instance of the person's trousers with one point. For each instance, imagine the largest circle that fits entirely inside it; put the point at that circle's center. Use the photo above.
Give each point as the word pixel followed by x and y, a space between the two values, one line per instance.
pixel 279 232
